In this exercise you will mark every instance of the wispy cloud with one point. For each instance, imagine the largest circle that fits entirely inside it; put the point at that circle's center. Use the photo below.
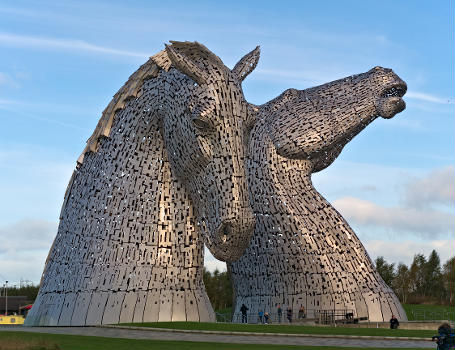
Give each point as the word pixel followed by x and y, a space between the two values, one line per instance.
pixel 428 98
pixel 24 256
pixel 424 209
pixel 15 40
pixel 8 81
pixel 404 250
pixel 437 188
pixel 4 102
pixel 6 105
pixel 425 223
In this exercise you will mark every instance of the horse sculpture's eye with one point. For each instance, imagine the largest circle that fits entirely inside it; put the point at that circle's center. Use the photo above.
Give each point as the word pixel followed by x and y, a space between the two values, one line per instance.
pixel 202 125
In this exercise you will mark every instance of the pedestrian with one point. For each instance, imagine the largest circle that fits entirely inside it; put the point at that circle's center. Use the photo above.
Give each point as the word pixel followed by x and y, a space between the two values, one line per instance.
pixel 394 322
pixel 301 312
pixel 289 314
pixel 279 312
pixel 243 310
pixel 260 316
pixel 266 318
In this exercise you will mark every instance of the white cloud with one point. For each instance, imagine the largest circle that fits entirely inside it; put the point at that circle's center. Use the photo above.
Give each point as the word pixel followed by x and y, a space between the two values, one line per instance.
pixel 211 263
pixel 427 97
pixel 25 245
pixel 435 188
pixel 422 206
pixel 423 223
pixel 15 40
pixel 404 251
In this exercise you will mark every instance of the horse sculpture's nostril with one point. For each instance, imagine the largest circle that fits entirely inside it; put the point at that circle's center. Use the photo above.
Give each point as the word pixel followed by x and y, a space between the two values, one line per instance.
pixel 226 229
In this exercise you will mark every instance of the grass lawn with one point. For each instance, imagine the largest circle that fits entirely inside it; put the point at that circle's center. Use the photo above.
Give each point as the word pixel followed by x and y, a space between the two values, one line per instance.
pixel 79 342
pixel 431 312
pixel 254 328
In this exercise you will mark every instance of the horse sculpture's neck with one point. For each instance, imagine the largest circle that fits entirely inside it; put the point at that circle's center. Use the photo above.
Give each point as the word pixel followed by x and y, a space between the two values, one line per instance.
pixel 303 252
pixel 127 249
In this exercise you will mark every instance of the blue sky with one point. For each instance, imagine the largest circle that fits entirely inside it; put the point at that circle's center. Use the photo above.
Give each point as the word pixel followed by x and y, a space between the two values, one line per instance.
pixel 61 63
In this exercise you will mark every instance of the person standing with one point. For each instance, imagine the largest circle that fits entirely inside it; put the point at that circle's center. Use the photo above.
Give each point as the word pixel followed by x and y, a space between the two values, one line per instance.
pixel 266 318
pixel 301 312
pixel 289 314
pixel 260 316
pixel 243 310
pixel 394 322
pixel 279 312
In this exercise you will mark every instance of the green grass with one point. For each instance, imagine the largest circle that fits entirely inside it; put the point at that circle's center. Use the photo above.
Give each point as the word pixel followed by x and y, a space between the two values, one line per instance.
pixel 429 312
pixel 79 342
pixel 254 328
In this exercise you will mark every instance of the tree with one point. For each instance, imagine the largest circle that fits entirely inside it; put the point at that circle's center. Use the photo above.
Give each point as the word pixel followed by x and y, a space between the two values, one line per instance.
pixel 449 280
pixel 219 288
pixel 402 283
pixel 416 274
pixel 433 284
pixel 387 271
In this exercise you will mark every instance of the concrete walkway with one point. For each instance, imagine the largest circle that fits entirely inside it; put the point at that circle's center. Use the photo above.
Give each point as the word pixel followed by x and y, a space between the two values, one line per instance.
pixel 224 338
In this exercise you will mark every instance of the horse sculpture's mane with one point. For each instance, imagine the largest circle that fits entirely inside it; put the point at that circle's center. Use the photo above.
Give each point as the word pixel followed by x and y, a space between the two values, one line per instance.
pixel 131 89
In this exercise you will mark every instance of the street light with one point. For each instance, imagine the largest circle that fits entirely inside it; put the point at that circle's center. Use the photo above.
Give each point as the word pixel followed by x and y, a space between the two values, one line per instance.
pixel 6 298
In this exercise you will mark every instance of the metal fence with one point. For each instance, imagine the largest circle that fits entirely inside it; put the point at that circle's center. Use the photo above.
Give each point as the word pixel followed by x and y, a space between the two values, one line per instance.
pixel 331 316
pixel 318 316
pixel 432 315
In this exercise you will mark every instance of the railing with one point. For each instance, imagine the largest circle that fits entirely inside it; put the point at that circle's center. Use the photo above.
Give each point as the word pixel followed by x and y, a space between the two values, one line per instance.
pixel 223 317
pixel 319 316
pixel 335 316
pixel 274 317
pixel 430 315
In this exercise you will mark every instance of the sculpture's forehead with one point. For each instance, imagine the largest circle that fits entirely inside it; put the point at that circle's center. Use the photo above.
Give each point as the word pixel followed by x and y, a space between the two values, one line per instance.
pixel 203 101
pixel 218 99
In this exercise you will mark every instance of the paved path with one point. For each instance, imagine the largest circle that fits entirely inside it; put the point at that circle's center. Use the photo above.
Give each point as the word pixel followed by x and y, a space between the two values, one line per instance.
pixel 222 338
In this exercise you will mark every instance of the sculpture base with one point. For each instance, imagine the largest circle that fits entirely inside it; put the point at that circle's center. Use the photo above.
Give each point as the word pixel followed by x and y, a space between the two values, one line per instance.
pixel 96 308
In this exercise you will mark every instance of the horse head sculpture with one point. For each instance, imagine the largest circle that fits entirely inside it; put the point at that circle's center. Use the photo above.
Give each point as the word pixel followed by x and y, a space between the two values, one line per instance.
pixel 163 171
pixel 206 133
pixel 303 252
pixel 316 123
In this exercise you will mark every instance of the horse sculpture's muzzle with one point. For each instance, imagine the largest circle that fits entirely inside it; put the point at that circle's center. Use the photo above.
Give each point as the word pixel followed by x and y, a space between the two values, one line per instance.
pixel 391 102
pixel 233 235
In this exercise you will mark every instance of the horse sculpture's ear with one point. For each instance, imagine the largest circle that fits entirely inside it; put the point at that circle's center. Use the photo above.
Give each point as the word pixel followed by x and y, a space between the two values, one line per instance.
pixel 247 64
pixel 187 66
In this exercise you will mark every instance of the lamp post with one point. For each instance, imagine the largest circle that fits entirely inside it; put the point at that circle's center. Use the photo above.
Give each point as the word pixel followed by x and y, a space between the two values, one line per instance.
pixel 6 298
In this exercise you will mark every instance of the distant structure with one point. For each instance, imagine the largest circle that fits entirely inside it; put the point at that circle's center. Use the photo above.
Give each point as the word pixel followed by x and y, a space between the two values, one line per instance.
pixel 179 159
pixel 303 252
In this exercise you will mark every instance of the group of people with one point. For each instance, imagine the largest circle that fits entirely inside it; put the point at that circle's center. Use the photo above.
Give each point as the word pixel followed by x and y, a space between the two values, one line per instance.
pixel 265 318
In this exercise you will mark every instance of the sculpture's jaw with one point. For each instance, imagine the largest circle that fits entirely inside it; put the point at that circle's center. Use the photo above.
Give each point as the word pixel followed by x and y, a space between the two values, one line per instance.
pixel 232 237
pixel 391 102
